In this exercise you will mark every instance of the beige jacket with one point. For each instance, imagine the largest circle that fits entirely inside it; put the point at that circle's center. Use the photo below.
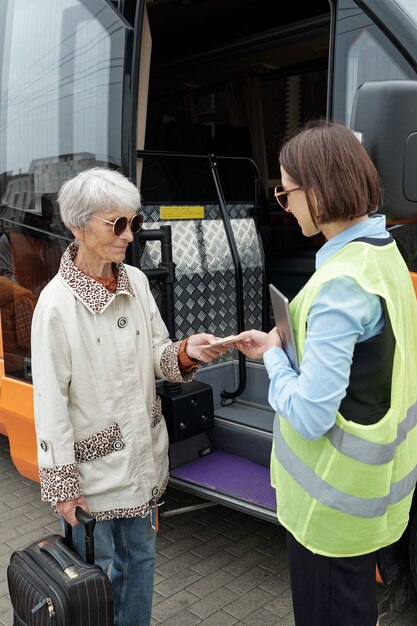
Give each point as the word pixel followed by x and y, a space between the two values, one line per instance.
pixel 95 356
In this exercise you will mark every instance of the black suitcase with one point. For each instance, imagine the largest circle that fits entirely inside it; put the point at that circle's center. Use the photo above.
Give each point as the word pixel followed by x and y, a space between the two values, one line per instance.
pixel 51 585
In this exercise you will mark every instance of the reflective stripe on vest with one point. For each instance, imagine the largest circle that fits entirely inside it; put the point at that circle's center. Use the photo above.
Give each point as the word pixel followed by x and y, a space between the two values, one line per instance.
pixel 366 451
pixel 332 497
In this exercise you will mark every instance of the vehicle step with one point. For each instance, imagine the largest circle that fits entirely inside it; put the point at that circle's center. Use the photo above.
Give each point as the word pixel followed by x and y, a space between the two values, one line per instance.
pixel 231 475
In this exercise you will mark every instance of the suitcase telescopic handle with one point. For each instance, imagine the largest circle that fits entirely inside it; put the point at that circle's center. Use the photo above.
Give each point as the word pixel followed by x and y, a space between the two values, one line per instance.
pixel 88 521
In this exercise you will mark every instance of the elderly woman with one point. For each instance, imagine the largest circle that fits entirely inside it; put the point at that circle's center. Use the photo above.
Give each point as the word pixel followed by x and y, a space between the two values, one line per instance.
pixel 98 342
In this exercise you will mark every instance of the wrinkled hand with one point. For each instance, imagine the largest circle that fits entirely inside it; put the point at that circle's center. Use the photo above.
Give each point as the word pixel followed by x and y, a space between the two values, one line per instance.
pixel 194 349
pixel 67 509
pixel 253 343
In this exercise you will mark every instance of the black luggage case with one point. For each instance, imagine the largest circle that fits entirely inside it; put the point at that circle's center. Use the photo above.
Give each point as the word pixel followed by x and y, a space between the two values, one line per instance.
pixel 51 585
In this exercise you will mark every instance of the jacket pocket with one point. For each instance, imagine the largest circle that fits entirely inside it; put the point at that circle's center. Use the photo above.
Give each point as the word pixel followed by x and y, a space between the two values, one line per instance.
pixel 156 411
pixel 100 444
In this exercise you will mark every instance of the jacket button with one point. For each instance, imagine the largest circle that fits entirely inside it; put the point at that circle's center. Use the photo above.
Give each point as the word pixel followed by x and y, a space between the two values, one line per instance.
pixel 122 322
pixel 43 445
pixel 118 445
pixel 155 491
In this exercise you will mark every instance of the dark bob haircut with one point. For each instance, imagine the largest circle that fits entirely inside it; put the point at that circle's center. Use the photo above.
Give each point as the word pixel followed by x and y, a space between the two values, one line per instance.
pixel 337 174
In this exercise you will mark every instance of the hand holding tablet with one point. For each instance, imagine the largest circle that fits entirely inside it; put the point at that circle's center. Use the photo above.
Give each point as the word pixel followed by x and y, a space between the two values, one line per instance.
pixel 280 306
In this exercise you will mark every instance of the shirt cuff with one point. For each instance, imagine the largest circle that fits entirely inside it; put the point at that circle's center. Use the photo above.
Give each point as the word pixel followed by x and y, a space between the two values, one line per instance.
pixel 275 357
pixel 184 362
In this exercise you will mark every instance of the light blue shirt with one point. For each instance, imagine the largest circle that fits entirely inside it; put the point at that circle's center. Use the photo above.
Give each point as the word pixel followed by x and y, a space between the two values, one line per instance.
pixel 341 315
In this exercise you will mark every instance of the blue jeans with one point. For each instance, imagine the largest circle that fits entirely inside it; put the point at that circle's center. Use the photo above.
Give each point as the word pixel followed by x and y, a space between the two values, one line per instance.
pixel 126 550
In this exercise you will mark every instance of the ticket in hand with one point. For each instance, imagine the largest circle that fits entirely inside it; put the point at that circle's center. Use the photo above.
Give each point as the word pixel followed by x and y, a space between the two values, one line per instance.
pixel 220 342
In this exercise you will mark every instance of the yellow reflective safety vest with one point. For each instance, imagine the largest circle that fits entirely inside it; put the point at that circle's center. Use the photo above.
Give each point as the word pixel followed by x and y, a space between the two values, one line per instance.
pixel 349 492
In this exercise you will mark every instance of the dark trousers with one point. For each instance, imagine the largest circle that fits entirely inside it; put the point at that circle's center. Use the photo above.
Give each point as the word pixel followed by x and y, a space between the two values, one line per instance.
pixel 329 591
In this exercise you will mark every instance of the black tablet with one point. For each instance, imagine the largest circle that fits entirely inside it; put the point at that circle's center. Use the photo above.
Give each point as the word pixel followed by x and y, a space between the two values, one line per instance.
pixel 280 307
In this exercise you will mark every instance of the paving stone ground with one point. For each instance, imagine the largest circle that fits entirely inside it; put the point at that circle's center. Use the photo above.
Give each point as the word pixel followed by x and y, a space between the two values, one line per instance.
pixel 216 566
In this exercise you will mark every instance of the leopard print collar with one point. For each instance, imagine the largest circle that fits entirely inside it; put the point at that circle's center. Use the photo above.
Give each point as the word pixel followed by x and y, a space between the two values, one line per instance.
pixel 91 293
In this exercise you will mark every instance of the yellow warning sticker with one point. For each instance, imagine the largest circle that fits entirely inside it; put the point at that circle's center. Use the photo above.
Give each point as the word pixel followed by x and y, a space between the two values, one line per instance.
pixel 177 212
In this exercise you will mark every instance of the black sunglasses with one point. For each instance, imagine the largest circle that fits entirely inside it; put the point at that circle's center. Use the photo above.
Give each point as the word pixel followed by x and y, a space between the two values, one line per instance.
pixel 121 223
pixel 281 195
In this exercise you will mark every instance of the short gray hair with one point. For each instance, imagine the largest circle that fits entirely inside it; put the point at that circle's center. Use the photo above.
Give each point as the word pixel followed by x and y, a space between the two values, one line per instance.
pixel 96 190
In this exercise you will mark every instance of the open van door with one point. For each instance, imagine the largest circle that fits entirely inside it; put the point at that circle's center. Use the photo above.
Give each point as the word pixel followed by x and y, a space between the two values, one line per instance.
pixel 384 115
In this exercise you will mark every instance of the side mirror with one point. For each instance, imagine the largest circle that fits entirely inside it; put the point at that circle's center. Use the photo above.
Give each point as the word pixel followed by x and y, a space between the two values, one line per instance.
pixel 385 113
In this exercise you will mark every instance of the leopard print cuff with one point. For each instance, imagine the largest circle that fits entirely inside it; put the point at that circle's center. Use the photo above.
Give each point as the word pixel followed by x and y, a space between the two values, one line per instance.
pixel 170 367
pixel 60 483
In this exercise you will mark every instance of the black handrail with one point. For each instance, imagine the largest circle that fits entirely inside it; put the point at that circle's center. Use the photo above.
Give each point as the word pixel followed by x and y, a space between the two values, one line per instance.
pixel 230 395
pixel 165 272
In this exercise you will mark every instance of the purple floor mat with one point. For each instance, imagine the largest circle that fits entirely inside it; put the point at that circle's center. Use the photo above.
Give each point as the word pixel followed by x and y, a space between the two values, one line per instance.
pixel 232 475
